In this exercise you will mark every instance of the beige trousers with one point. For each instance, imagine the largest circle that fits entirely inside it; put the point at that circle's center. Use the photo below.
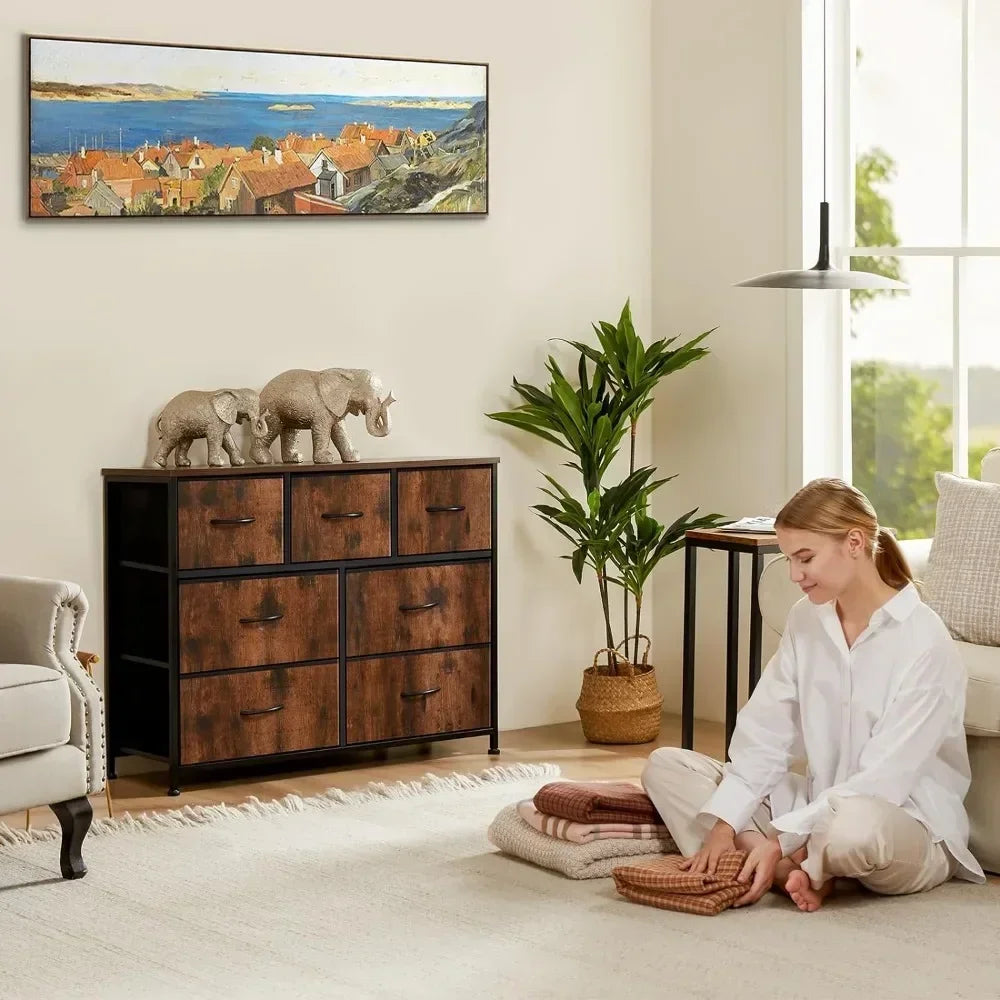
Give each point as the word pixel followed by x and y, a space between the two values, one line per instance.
pixel 867 839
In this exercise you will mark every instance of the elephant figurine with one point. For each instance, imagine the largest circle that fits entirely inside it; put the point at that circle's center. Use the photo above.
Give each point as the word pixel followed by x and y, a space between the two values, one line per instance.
pixel 318 401
pixel 199 413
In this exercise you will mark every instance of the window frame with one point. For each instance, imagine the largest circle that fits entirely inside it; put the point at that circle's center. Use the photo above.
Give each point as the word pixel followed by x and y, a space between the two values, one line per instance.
pixel 958 254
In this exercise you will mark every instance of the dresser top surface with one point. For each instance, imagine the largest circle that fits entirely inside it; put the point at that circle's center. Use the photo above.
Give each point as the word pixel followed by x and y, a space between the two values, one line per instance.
pixel 207 472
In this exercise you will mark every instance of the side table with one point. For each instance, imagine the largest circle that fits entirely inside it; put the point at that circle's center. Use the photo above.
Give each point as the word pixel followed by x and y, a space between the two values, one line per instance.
pixel 735 543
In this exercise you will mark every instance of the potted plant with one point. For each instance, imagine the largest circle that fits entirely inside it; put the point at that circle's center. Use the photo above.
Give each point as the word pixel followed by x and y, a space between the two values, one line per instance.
pixel 610 530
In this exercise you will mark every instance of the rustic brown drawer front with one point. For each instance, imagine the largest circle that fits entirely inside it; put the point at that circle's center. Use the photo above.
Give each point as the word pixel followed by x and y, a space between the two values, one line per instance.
pixel 390 698
pixel 258 621
pixel 444 510
pixel 420 607
pixel 251 713
pixel 341 516
pixel 229 522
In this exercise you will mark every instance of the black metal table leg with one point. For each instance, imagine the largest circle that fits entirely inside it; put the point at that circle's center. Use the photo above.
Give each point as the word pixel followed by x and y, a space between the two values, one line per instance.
pixel 732 646
pixel 687 676
pixel 757 567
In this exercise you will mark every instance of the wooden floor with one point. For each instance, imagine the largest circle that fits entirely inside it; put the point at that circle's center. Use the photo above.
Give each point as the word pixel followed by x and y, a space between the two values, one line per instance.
pixel 560 744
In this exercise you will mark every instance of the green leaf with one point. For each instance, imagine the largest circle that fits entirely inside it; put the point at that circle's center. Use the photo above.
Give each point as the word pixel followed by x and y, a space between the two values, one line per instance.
pixel 527 423
pixel 532 394
pixel 582 374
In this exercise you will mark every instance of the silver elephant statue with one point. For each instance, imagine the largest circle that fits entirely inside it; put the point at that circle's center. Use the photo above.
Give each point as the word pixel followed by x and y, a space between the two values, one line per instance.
pixel 209 414
pixel 300 400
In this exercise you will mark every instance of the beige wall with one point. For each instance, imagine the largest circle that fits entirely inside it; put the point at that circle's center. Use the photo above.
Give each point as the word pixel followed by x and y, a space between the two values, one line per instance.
pixel 725 169
pixel 104 322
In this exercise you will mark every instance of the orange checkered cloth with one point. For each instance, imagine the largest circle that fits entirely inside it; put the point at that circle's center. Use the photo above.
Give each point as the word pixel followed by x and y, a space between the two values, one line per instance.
pixel 660 883
pixel 596 802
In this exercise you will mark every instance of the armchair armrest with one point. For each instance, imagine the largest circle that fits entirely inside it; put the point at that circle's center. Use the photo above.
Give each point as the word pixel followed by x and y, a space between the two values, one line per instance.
pixel 917 552
pixel 776 593
pixel 41 622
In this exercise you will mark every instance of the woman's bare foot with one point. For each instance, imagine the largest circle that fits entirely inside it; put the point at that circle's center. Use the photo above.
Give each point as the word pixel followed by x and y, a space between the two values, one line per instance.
pixel 805 897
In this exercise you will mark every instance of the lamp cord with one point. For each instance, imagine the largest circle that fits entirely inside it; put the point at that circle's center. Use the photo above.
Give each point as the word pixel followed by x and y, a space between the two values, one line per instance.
pixel 824 100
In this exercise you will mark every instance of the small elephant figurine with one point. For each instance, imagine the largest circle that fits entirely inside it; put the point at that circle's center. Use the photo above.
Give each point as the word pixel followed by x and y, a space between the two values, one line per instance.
pixel 318 401
pixel 199 413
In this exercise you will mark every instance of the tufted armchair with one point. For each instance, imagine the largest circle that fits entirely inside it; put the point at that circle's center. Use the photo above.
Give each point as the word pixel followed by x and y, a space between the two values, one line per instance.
pixel 51 712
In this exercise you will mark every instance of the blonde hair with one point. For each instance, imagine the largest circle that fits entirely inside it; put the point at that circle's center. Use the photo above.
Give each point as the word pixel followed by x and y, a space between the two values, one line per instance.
pixel 832 507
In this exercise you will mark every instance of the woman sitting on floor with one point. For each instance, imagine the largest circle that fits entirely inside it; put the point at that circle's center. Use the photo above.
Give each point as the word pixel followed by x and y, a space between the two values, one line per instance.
pixel 868 687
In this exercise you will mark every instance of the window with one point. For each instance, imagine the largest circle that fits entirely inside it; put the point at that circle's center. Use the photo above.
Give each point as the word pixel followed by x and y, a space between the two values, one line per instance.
pixel 924 141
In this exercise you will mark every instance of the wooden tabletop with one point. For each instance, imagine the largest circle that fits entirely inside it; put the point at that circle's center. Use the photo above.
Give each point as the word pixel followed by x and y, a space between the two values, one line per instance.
pixel 733 538
pixel 250 469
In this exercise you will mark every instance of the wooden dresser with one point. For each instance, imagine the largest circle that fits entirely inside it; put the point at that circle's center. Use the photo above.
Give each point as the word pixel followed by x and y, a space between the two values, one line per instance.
pixel 271 615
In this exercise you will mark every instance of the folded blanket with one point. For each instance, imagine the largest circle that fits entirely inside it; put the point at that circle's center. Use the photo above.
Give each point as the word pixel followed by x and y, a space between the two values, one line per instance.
pixel 514 836
pixel 659 883
pixel 596 802
pixel 585 833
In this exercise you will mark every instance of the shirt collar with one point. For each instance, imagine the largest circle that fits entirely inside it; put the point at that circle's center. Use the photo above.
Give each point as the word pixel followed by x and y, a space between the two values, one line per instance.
pixel 903 604
pixel 900 606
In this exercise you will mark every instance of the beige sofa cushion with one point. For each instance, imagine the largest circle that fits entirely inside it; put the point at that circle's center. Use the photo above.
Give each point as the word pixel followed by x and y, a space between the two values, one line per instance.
pixel 982 700
pixel 39 779
pixel 962 583
pixel 34 708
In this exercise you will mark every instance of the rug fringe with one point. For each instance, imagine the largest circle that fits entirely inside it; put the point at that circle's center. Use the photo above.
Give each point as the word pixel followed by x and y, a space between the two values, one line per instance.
pixel 255 808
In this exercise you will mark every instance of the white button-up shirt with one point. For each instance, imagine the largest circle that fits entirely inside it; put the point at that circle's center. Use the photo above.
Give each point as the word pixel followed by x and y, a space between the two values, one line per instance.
pixel 883 717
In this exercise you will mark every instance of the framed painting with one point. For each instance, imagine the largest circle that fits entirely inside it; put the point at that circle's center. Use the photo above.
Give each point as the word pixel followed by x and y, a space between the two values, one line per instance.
pixel 128 129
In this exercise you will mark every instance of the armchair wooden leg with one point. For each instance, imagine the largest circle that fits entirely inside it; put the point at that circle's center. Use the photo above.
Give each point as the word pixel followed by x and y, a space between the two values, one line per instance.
pixel 107 795
pixel 27 819
pixel 74 817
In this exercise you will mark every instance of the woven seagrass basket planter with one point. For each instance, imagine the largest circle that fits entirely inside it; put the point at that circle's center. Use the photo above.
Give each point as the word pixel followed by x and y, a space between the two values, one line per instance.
pixel 624 707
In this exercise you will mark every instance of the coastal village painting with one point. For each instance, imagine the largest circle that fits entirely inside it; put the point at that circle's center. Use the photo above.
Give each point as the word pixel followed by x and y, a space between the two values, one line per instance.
pixel 128 129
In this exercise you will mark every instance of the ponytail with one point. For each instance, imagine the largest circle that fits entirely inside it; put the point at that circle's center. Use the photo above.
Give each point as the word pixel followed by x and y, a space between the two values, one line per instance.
pixel 890 561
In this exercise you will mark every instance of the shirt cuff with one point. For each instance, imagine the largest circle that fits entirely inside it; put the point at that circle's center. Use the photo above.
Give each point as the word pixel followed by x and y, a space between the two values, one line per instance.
pixel 799 821
pixel 733 803
pixel 791 842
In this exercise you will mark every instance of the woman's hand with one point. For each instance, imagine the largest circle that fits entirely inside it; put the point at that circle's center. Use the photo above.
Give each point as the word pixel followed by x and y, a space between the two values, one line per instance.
pixel 759 867
pixel 720 839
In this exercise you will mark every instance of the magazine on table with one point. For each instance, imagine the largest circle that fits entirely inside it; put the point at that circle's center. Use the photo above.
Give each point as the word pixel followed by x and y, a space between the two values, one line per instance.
pixel 751 526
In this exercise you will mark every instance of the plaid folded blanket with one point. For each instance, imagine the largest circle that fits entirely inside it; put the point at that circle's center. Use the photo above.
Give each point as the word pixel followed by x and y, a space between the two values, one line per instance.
pixel 514 836
pixel 585 833
pixel 596 802
pixel 659 883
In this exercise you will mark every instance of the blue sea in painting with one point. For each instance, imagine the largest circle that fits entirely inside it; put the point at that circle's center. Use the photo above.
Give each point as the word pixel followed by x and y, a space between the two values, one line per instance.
pixel 220 119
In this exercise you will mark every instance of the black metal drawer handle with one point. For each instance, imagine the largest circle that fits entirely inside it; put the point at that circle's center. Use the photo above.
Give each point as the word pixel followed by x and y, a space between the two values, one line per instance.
pixel 266 618
pixel 419 607
pixel 419 694
pixel 232 520
pixel 445 508
pixel 261 711
pixel 350 513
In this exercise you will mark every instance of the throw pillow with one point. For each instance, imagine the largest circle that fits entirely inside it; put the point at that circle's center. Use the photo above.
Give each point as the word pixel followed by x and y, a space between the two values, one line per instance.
pixel 962 582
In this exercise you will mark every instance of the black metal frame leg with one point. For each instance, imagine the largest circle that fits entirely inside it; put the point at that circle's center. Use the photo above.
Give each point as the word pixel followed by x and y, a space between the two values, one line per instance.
pixel 756 625
pixel 732 646
pixel 687 676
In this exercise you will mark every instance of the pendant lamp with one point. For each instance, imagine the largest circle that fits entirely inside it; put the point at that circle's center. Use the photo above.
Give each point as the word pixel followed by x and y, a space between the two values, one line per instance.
pixel 822 275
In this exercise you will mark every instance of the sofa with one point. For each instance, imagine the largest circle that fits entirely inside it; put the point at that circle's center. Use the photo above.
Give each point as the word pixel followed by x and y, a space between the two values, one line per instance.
pixel 982 711
pixel 51 711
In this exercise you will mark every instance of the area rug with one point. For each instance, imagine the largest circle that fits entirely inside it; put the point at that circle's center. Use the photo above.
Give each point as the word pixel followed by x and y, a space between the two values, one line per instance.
pixel 394 892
